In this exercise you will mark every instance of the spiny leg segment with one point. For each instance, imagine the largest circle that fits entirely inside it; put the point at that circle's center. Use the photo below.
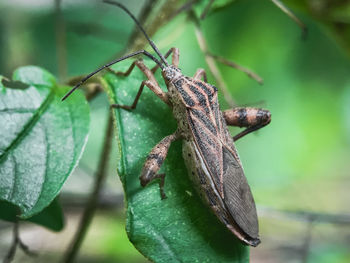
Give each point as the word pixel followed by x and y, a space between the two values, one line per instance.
pixel 252 118
pixel 151 83
pixel 155 160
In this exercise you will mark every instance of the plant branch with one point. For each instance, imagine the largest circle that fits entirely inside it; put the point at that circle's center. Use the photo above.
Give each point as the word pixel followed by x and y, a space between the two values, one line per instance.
pixel 137 41
pixel 305 216
pixel 206 9
pixel 92 202
pixel 212 64
pixel 153 23
pixel 136 33
pixel 307 240
pixel 185 7
pixel 232 64
pixel 15 243
pixel 289 13
pixel 11 253
pixel 61 50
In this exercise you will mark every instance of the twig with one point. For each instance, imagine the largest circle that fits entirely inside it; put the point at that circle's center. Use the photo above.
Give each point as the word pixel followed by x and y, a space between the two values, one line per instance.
pixel 15 243
pixel 232 64
pixel 185 7
pixel 144 14
pixel 307 241
pixel 338 219
pixel 212 64
pixel 289 13
pixel 61 51
pixel 91 205
pixel 163 16
pixel 11 254
pixel 206 9
pixel 137 41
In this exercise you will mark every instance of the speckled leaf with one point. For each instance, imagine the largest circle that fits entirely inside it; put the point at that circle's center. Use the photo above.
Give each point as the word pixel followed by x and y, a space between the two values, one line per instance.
pixel 180 228
pixel 41 139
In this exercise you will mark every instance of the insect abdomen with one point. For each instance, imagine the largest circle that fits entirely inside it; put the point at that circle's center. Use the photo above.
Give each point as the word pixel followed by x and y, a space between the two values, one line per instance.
pixel 206 189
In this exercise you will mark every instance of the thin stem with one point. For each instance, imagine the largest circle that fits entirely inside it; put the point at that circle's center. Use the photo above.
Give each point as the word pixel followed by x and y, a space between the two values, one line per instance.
pixel 91 206
pixel 144 14
pixel 212 64
pixel 206 9
pixel 289 13
pixel 61 50
pixel 15 243
pixel 11 254
pixel 155 22
pixel 151 23
pixel 232 64
pixel 185 7
pixel 307 241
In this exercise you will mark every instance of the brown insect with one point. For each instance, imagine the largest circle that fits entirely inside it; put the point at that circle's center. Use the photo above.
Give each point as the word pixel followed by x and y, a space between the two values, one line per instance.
pixel 208 148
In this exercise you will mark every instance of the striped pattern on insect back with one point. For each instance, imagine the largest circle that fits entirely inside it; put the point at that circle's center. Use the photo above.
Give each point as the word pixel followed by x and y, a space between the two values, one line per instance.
pixel 205 121
pixel 220 172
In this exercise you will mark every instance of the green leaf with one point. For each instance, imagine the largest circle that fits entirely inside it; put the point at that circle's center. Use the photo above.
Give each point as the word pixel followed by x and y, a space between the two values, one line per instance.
pixel 51 217
pixel 180 228
pixel 41 139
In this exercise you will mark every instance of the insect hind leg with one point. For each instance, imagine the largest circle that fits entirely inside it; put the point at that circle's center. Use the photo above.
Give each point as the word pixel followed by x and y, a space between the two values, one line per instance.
pixel 252 118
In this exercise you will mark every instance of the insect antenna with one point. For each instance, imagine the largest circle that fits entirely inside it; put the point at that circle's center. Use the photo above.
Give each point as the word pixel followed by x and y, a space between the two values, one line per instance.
pixel 127 56
pixel 140 27
pixel 110 64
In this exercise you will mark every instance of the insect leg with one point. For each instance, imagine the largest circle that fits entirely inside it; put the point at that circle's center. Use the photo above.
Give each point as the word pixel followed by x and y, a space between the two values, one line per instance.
pixel 154 161
pixel 121 73
pixel 151 83
pixel 200 73
pixel 175 58
pixel 144 52
pixel 252 118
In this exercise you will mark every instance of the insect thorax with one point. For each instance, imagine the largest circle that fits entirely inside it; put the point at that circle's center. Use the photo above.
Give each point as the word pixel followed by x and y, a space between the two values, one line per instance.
pixel 179 111
pixel 171 72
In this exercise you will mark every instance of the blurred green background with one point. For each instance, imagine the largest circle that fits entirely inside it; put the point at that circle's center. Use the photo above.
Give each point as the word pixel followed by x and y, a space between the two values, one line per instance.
pixel 298 167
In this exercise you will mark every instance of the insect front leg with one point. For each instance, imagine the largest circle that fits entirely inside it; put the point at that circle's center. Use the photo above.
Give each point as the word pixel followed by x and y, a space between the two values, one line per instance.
pixel 252 118
pixel 175 58
pixel 154 161
pixel 151 83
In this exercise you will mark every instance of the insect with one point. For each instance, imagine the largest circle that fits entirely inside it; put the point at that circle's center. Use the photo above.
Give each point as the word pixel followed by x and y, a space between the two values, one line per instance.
pixel 208 148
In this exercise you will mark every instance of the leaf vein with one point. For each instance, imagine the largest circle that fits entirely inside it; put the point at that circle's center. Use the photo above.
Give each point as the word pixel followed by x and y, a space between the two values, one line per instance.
pixel 28 126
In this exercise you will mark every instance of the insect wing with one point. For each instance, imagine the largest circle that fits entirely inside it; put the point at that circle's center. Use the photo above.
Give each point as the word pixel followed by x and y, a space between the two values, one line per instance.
pixel 237 195
pixel 228 176
pixel 209 146
pixel 217 150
